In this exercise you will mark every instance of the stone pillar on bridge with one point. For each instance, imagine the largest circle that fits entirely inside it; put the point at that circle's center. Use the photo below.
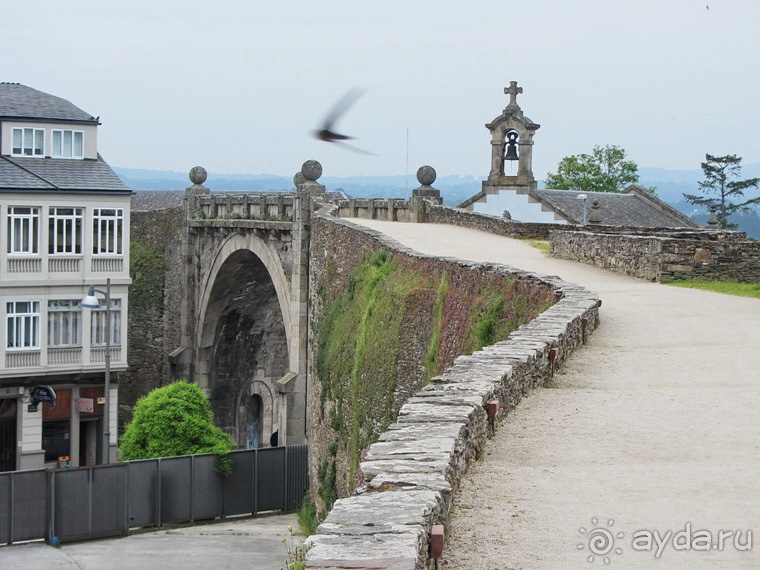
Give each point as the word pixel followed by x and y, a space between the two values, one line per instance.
pixel 426 175
pixel 181 359
pixel 307 188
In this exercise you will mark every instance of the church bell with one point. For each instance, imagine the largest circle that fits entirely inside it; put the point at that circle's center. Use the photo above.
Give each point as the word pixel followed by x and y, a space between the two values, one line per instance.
pixel 511 144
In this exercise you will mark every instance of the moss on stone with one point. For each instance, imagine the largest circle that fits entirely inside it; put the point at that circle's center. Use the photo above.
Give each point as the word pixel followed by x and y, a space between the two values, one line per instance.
pixel 431 359
pixel 147 267
pixel 390 327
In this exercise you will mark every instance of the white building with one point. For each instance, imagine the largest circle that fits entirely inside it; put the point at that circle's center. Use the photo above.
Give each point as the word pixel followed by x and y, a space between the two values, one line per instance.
pixel 64 225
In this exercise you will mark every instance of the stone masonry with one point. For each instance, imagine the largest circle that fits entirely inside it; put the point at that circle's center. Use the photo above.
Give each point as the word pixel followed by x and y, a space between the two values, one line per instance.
pixel 417 463
pixel 709 255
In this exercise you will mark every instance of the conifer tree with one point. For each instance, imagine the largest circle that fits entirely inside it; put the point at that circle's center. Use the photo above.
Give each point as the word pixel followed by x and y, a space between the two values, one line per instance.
pixel 721 188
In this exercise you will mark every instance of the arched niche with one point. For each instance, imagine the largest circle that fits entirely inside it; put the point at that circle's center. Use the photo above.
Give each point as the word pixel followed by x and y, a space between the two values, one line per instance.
pixel 244 331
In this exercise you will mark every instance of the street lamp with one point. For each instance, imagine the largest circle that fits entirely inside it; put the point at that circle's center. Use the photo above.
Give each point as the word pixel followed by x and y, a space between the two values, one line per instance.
pixel 90 301
pixel 583 197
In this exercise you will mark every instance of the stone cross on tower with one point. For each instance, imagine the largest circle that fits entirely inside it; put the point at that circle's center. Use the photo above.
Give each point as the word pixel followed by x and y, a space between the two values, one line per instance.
pixel 513 91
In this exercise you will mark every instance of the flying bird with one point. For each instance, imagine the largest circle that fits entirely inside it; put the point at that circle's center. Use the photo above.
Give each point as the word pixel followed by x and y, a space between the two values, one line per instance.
pixel 326 133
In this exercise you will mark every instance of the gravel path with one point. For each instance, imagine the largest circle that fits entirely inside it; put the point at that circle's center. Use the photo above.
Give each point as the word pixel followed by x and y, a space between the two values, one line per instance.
pixel 653 425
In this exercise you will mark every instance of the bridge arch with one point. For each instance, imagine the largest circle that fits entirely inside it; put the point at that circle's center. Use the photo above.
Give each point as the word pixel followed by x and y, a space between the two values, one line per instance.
pixel 243 332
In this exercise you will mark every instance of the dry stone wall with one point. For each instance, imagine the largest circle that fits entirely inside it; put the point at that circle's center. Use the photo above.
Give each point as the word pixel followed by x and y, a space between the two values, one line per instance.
pixel 412 470
pixel 493 224
pixel 707 255
pixel 500 226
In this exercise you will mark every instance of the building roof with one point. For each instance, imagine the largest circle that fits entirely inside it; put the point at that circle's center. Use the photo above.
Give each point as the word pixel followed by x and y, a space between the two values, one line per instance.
pixel 52 174
pixel 21 102
pixel 633 207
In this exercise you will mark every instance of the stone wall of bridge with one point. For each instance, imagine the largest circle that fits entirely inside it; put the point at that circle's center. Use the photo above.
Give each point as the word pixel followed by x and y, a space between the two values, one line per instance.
pixel 410 472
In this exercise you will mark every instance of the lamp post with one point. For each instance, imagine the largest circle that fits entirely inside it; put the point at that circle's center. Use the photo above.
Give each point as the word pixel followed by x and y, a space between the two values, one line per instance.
pixel 583 197
pixel 90 301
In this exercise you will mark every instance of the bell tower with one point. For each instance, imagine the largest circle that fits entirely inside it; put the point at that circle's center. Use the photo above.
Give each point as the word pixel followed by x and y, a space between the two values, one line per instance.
pixel 511 141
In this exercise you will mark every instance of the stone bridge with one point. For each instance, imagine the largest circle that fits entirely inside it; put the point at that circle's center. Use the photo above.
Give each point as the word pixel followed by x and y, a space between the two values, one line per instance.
pixel 244 306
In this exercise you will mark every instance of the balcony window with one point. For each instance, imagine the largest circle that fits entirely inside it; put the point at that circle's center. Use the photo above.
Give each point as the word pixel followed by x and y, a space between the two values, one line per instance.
pixel 65 230
pixel 98 324
pixel 23 331
pixel 68 144
pixel 107 231
pixel 28 142
pixel 64 323
pixel 23 230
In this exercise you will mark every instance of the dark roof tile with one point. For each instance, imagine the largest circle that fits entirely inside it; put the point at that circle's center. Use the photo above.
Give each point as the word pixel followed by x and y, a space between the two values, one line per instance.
pixel 615 209
pixel 27 173
pixel 20 101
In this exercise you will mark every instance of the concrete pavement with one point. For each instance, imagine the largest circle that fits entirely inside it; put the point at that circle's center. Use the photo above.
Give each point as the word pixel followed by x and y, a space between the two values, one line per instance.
pixel 252 543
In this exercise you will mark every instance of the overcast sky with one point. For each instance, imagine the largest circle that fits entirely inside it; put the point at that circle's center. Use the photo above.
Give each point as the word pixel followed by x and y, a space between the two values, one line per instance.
pixel 237 86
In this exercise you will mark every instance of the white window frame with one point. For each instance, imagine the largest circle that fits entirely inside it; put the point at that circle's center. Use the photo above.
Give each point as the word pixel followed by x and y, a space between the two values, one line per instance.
pixel 23 230
pixel 107 231
pixel 98 324
pixel 62 134
pixel 64 318
pixel 37 151
pixel 69 240
pixel 22 326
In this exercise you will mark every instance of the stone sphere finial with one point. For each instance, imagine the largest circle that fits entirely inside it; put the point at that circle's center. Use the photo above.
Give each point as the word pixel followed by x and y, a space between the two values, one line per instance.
pixel 198 175
pixel 311 170
pixel 298 179
pixel 426 175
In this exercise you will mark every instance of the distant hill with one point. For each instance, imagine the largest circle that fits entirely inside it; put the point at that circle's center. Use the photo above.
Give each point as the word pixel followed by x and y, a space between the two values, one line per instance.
pixel 671 186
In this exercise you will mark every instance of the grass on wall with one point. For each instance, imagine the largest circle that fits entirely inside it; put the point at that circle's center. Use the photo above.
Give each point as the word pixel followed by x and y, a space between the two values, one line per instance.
pixel 147 267
pixel 366 329
pixel 726 287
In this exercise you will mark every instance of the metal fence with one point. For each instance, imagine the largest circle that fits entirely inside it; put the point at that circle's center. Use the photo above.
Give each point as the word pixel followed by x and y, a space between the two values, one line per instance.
pixel 109 500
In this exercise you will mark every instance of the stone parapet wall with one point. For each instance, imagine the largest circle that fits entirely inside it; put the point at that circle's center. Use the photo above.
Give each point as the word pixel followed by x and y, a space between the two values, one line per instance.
pixel 511 228
pixel 415 466
pixel 636 256
pixel 393 209
pixel 277 206
pixel 708 255
pixel 724 260
pixel 492 224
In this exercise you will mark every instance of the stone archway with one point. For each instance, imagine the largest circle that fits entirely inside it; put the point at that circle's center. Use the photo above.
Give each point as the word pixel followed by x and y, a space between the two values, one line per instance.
pixel 244 332
pixel 257 413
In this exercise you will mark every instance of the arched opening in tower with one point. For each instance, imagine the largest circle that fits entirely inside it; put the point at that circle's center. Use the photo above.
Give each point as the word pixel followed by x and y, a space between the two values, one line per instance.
pixel 249 352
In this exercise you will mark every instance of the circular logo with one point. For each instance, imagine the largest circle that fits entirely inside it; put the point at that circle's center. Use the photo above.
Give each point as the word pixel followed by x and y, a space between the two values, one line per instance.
pixel 600 541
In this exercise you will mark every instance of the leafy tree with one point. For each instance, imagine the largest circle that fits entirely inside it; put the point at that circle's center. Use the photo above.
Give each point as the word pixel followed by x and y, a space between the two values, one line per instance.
pixel 719 173
pixel 604 170
pixel 173 420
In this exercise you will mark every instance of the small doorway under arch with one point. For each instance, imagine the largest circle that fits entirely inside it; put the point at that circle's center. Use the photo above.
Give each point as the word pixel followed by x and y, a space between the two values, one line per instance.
pixel 254 408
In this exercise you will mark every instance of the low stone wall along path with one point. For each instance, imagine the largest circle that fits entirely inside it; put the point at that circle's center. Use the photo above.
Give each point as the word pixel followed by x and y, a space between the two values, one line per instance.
pixel 654 425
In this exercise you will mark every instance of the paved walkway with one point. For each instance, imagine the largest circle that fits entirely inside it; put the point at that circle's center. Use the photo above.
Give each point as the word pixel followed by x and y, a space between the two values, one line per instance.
pixel 254 543
pixel 653 425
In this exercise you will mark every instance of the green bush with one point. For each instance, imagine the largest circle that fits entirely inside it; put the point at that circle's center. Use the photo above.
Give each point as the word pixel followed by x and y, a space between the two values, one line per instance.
pixel 308 519
pixel 174 420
